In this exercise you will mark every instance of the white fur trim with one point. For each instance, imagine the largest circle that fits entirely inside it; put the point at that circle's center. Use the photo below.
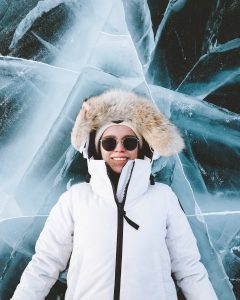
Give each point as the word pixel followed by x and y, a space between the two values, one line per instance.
pixel 139 112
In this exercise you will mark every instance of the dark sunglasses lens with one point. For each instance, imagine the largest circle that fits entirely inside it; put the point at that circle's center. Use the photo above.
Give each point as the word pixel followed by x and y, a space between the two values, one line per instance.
pixel 130 143
pixel 109 144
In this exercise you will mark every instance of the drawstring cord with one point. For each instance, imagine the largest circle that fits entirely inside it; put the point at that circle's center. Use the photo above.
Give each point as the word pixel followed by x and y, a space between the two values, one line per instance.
pixel 152 180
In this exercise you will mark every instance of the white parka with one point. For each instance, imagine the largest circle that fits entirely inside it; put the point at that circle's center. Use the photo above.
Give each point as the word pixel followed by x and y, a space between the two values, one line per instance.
pixel 83 225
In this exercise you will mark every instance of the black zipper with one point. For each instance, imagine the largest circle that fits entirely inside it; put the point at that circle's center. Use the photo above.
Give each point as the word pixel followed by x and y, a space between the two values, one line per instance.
pixel 118 266
pixel 119 247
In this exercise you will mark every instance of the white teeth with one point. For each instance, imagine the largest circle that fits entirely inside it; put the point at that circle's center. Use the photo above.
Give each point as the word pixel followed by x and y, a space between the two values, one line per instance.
pixel 119 158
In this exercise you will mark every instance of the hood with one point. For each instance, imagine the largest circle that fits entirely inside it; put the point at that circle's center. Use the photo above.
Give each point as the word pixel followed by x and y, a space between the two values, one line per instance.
pixel 117 105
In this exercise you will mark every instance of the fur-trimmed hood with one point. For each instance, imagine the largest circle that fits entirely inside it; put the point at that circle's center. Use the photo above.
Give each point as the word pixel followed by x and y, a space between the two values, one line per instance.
pixel 117 105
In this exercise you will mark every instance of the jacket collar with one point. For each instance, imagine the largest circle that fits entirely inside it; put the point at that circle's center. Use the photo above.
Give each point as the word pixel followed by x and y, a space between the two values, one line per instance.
pixel 138 185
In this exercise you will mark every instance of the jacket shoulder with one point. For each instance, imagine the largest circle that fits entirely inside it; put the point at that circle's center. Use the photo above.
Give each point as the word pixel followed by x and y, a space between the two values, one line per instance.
pixel 75 192
pixel 159 186
pixel 164 194
pixel 79 187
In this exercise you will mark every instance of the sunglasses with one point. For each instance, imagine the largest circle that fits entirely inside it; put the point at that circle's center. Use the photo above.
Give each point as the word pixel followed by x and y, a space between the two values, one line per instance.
pixel 130 143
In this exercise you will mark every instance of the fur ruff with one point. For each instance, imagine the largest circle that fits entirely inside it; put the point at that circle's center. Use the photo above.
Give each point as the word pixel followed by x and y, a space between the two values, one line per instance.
pixel 115 105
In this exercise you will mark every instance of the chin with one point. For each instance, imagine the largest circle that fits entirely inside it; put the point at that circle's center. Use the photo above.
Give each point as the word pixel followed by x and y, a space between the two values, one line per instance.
pixel 118 171
pixel 117 168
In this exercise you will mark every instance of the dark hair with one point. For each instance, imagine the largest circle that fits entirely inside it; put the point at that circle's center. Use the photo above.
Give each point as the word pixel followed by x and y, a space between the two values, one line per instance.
pixel 145 151
pixel 91 147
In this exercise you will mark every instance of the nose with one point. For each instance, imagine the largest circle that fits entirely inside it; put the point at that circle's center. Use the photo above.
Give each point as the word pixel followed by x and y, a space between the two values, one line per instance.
pixel 119 147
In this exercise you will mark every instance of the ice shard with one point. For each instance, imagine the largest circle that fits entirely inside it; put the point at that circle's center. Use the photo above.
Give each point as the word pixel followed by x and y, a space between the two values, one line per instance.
pixel 184 55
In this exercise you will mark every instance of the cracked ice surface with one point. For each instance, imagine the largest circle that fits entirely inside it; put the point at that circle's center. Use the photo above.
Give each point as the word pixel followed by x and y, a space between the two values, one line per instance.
pixel 54 54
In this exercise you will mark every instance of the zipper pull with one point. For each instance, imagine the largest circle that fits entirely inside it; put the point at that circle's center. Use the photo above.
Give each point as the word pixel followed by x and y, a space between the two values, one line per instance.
pixel 129 221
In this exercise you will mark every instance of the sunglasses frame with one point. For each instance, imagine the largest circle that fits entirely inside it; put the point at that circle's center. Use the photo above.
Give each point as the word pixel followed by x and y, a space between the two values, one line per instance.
pixel 122 142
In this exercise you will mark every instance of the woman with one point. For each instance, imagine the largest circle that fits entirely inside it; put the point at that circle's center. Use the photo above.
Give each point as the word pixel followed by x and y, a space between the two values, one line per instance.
pixel 125 235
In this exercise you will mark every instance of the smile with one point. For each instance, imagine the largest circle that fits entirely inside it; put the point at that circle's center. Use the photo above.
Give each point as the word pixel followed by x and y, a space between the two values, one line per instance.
pixel 119 158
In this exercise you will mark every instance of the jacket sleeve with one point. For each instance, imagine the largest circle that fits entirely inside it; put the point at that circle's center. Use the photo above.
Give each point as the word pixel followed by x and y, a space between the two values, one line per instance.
pixel 189 272
pixel 52 252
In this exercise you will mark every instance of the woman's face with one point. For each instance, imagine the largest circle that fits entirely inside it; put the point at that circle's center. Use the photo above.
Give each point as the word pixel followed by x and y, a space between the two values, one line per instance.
pixel 118 157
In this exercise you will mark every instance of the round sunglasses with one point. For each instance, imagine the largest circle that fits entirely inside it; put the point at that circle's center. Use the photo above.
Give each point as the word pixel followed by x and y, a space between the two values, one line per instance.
pixel 130 143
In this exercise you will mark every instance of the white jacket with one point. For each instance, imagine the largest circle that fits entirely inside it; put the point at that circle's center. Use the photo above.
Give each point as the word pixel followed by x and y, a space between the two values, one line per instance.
pixel 83 225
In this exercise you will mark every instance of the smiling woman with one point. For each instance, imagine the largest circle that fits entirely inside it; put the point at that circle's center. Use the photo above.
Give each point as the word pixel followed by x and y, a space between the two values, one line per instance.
pixel 120 222
pixel 118 157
